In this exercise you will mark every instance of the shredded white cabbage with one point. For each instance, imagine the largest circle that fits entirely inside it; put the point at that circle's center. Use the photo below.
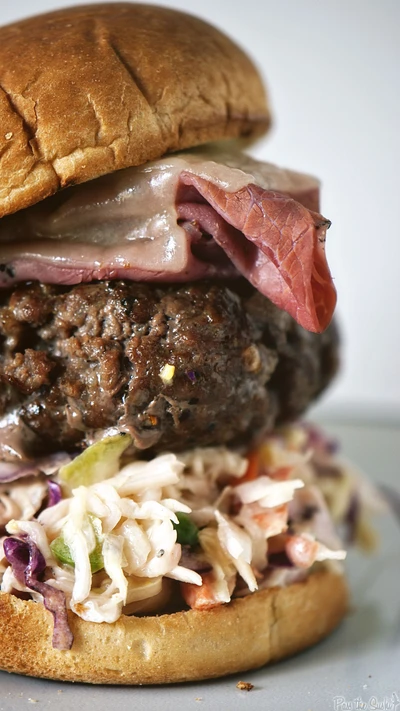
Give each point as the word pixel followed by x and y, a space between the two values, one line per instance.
pixel 325 553
pixel 222 582
pixel 237 544
pixel 267 492
pixel 21 499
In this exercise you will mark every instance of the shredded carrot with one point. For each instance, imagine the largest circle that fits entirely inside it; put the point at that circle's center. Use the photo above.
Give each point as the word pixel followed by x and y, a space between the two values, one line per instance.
pixel 280 473
pixel 301 551
pixel 252 470
pixel 275 518
pixel 200 597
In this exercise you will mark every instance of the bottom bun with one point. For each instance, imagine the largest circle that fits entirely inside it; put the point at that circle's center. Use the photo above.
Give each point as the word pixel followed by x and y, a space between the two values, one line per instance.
pixel 185 646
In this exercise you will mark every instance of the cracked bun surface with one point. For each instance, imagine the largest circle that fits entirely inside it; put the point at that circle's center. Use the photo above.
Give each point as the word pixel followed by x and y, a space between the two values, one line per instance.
pixel 185 646
pixel 135 81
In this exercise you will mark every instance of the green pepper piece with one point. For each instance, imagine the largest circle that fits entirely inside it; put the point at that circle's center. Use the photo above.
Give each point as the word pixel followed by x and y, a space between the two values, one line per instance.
pixel 187 531
pixel 62 551
pixel 98 462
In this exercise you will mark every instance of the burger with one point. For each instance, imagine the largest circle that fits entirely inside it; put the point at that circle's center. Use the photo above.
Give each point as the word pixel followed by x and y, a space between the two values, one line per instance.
pixel 165 309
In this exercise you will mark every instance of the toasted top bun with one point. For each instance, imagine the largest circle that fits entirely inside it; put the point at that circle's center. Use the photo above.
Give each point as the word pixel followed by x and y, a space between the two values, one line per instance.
pixel 88 90
pixel 185 646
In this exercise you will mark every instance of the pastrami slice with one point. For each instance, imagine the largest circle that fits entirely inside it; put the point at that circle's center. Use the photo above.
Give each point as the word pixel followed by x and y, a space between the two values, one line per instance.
pixel 282 254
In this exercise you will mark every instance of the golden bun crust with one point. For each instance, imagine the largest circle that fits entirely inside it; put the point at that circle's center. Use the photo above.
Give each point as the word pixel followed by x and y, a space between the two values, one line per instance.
pixel 185 646
pixel 88 90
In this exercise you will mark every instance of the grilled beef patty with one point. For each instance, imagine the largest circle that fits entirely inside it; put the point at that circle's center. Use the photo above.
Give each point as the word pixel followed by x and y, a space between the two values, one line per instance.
pixel 175 365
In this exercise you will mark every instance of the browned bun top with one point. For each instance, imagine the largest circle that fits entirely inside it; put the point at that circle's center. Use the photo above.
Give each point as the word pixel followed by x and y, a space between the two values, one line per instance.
pixel 88 90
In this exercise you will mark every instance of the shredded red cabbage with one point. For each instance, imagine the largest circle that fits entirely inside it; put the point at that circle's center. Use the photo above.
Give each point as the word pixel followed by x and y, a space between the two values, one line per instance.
pixel 192 375
pixel 11 471
pixel 55 493
pixel 317 439
pixel 28 564
pixel 352 517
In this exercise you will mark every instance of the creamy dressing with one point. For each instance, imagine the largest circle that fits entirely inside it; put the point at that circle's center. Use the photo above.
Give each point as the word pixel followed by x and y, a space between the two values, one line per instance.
pixel 14 437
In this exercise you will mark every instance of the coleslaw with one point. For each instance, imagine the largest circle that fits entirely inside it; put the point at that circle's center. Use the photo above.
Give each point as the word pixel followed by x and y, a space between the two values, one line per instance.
pixel 128 537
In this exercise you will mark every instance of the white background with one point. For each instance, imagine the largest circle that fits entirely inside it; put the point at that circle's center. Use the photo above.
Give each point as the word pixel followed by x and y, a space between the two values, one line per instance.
pixel 333 70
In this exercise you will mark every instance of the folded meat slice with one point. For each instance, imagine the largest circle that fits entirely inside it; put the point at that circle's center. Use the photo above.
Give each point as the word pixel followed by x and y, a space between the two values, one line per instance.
pixel 277 244
pixel 186 217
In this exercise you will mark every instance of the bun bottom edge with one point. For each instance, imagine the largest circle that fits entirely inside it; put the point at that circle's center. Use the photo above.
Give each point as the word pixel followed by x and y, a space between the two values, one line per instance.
pixel 247 633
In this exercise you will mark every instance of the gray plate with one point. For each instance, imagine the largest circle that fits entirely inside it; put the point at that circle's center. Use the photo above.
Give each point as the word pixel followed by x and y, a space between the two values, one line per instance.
pixel 358 667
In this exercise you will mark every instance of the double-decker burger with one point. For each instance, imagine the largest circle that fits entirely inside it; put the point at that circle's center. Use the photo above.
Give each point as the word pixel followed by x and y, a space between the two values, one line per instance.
pixel 164 321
